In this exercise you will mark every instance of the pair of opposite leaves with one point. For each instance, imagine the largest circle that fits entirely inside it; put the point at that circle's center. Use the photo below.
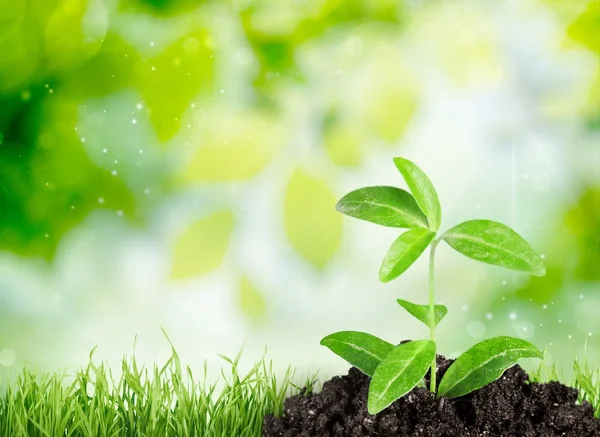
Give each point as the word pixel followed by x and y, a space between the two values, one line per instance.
pixel 396 370
pixel 483 240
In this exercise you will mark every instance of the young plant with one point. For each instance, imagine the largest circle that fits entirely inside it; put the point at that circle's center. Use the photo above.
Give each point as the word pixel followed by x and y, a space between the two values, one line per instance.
pixel 395 370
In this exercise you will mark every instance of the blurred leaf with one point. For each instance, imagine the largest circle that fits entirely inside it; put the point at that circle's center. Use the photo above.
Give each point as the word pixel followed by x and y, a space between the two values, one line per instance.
pixel 407 248
pixel 591 108
pixel 11 17
pixel 542 289
pixel 586 27
pixel 343 143
pixel 235 146
pixel 311 223
pixel 422 313
pixel 468 50
pixel 389 109
pixel 252 302
pixel 74 33
pixel 275 29
pixel 19 58
pixel 363 351
pixel 484 363
pixel 582 221
pixel 170 81
pixel 494 243
pixel 400 372
pixel 48 184
pixel 202 247
pixel 423 191
pixel 110 70
pixel 385 206
pixel 160 7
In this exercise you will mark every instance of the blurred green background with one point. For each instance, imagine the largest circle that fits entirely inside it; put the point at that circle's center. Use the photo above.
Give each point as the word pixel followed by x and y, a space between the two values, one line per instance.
pixel 176 163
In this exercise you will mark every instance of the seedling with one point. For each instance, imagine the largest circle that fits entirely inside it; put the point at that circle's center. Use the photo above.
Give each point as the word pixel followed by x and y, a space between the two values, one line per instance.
pixel 396 370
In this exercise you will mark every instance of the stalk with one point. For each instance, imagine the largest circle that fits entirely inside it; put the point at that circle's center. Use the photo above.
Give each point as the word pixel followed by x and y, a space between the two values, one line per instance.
pixel 432 314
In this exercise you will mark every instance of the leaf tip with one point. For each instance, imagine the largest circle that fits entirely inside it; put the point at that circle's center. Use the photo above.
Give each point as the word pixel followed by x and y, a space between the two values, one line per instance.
pixel 384 276
pixel 374 408
pixel 400 161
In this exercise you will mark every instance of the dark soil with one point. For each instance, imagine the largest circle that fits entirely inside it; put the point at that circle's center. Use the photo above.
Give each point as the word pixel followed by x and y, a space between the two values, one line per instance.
pixel 511 406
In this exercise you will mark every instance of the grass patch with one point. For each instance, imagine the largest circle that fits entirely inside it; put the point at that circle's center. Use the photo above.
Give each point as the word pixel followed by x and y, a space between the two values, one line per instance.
pixel 160 401
pixel 169 400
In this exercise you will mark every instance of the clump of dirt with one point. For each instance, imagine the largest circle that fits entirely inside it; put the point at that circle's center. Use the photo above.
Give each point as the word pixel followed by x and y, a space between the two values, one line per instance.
pixel 510 406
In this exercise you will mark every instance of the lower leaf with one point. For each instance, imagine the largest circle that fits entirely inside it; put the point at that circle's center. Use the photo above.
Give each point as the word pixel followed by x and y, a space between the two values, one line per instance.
pixel 363 351
pixel 484 363
pixel 399 373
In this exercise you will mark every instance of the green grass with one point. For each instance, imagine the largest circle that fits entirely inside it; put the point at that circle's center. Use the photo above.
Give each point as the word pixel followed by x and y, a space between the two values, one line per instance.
pixel 162 401
pixel 169 400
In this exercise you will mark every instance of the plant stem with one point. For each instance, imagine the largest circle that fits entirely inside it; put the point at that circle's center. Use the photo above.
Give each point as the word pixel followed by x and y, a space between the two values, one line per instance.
pixel 432 386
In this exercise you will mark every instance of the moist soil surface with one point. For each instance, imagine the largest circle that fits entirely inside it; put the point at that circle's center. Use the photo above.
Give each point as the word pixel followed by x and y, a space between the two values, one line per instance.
pixel 510 406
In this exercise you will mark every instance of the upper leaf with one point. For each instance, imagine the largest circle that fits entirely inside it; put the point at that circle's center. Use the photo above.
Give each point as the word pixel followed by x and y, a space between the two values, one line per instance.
pixel 484 363
pixel 422 313
pixel 423 190
pixel 363 351
pixel 404 252
pixel 386 206
pixel 494 243
pixel 399 373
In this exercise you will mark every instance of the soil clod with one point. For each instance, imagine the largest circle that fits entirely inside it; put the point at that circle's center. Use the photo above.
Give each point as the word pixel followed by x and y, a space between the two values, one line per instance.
pixel 510 406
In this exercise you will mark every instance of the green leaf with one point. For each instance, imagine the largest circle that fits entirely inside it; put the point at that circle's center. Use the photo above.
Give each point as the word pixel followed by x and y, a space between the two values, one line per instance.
pixel 364 351
pixel 423 190
pixel 311 225
pixel 386 206
pixel 404 252
pixel 484 363
pixel 422 313
pixel 494 243
pixel 399 373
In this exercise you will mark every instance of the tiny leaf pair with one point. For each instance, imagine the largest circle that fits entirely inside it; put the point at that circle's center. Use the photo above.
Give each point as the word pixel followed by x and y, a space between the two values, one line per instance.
pixel 396 370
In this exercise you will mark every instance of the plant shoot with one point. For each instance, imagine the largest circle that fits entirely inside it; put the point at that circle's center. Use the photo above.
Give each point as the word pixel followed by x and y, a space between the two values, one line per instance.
pixel 395 370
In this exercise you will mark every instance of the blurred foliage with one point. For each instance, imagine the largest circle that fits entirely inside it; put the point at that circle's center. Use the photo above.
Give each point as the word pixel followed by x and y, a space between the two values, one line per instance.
pixel 172 111
pixel 48 184
pixel 585 29
pixel 160 7
pixel 170 81
pixel 58 56
pixel 574 257
pixel 275 29
pixel 583 222
pixel 55 56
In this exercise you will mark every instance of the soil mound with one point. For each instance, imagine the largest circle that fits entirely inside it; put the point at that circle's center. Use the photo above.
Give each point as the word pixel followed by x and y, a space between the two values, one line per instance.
pixel 510 406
